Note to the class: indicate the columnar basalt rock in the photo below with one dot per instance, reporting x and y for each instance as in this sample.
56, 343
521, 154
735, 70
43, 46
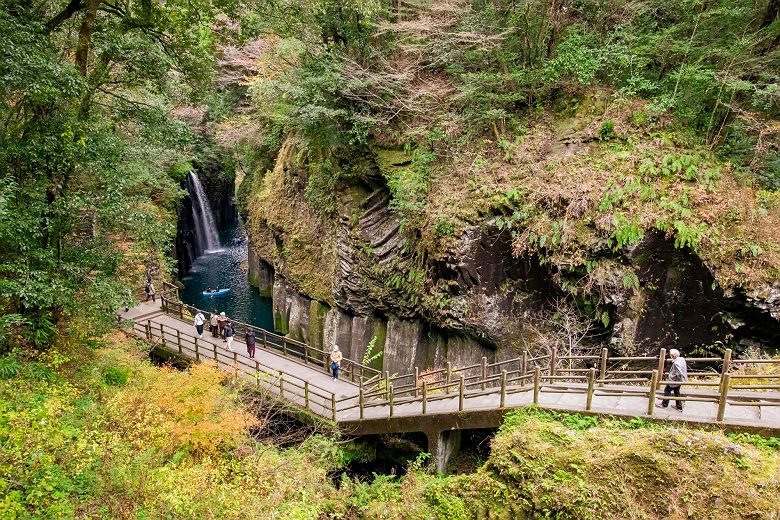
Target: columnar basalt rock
477, 299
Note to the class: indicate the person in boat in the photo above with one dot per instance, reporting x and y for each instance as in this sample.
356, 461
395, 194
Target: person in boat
200, 319
228, 329
214, 324
250, 343
335, 361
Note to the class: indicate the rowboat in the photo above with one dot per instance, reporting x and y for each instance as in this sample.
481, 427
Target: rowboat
216, 292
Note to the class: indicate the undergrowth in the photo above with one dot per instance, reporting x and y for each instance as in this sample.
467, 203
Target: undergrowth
101, 433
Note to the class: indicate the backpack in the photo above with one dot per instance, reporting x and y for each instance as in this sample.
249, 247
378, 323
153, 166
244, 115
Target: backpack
147, 287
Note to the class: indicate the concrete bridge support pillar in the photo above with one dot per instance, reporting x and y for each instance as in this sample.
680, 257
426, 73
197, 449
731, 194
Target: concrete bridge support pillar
443, 445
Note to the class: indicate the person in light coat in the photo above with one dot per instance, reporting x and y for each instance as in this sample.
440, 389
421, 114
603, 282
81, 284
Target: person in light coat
678, 372
200, 319
214, 324
335, 361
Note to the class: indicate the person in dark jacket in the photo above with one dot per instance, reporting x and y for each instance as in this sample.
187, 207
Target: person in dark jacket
149, 288
250, 343
228, 331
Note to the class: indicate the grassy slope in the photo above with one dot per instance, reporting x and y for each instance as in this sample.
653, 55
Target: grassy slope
101, 433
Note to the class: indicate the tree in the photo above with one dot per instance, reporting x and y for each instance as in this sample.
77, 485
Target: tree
85, 144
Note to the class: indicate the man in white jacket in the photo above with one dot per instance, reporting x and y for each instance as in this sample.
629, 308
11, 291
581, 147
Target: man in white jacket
200, 319
677, 372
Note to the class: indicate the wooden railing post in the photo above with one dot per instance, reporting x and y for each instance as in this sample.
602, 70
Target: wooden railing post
387, 384
537, 383
661, 363
416, 380
603, 366
724, 393
306, 354
235, 364
651, 393
523, 367
351, 371
502, 403
149, 330
391, 399
162, 335
725, 369
197, 353
424, 397
284, 346
462, 392
484, 371
216, 360
591, 379
447, 378
306, 394
333, 405
178, 339
553, 361
281, 383
257, 373
181, 311
361, 402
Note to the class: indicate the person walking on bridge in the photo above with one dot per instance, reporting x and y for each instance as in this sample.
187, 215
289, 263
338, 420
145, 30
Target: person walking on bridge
214, 324
200, 319
228, 330
335, 361
149, 288
677, 373
250, 343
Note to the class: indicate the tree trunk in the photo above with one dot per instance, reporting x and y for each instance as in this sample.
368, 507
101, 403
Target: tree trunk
772, 13
85, 36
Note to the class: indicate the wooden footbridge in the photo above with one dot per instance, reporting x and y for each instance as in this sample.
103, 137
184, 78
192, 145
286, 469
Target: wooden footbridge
736, 394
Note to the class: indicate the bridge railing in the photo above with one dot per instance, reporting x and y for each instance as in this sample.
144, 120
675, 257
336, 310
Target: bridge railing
301, 392
295, 350
168, 290
713, 380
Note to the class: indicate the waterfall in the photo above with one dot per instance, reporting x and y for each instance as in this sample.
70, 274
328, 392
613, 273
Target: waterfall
202, 216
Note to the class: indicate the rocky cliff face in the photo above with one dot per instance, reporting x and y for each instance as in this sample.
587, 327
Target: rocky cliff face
365, 277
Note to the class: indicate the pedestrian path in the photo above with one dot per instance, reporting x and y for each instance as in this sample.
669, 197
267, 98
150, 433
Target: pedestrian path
442, 398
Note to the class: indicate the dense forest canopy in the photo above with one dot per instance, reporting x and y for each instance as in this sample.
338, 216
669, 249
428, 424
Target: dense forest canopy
88, 146
91, 156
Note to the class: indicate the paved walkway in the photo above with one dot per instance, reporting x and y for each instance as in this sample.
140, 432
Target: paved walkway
322, 391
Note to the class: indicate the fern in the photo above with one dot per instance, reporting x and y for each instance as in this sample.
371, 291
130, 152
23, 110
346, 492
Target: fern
369, 356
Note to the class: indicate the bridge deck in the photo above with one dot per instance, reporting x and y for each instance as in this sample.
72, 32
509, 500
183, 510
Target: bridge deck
310, 386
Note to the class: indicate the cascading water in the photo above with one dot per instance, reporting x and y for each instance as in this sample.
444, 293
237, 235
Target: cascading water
203, 217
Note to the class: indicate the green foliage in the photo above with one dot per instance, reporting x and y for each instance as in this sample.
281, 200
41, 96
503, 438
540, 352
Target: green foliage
369, 357
626, 232
444, 228
607, 131
179, 171
409, 184
766, 443
89, 157
9, 366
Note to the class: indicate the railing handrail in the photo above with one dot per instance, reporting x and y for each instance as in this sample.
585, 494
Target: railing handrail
348, 365
312, 394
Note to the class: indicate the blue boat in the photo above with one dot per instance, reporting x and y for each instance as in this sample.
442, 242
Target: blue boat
216, 292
